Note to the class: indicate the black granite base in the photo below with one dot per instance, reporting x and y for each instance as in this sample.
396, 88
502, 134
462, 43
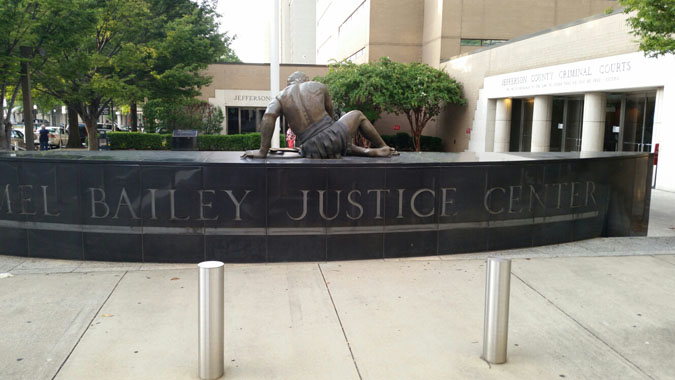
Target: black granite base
195, 206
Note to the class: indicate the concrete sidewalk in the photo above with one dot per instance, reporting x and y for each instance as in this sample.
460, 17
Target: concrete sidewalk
596, 309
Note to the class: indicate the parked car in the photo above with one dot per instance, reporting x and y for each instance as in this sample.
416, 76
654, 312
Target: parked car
104, 127
57, 137
18, 140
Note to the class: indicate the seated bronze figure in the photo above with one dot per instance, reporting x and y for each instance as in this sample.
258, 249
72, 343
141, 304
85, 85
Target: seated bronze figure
308, 109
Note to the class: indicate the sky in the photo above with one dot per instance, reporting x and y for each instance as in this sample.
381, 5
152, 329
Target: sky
249, 21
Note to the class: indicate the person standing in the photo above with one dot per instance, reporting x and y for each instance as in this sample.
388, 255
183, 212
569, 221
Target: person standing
44, 138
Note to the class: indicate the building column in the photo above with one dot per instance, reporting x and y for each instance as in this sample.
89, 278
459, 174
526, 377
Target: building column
503, 125
541, 124
593, 129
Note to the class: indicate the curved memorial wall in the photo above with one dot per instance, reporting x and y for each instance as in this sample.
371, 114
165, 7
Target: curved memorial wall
196, 206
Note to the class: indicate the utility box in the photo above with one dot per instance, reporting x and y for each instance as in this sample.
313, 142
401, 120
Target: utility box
103, 142
184, 139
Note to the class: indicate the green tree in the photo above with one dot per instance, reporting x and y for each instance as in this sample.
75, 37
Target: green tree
183, 113
130, 50
415, 90
185, 38
355, 87
653, 21
32, 23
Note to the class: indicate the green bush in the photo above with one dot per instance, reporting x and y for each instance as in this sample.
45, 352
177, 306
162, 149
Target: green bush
155, 141
403, 142
431, 144
138, 141
246, 141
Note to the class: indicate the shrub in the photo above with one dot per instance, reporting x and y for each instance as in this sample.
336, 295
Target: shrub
183, 113
155, 141
138, 141
246, 141
404, 143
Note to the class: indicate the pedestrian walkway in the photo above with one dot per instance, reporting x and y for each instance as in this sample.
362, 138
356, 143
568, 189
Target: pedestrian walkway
596, 309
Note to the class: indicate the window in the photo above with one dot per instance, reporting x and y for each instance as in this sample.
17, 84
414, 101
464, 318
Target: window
468, 42
244, 119
479, 42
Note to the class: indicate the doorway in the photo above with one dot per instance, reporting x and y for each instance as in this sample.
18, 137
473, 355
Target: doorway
566, 124
522, 111
629, 122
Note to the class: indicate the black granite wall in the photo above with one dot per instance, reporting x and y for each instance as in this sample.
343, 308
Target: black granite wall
190, 207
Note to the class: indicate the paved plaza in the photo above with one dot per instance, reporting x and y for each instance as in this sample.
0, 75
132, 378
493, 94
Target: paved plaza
596, 309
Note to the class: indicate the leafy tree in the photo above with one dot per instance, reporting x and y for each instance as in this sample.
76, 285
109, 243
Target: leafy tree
419, 91
415, 90
355, 87
185, 39
31, 23
132, 49
653, 21
229, 55
183, 113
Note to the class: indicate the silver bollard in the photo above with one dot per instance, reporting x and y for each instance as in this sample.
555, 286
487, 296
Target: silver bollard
211, 320
496, 327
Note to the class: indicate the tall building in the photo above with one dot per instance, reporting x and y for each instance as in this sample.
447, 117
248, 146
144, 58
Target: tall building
433, 31
298, 31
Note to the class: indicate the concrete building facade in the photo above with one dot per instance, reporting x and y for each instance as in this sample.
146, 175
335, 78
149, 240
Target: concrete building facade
432, 31
584, 87
298, 31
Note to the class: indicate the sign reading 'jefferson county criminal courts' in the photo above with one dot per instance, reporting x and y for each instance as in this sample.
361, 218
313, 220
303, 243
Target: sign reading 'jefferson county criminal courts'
623, 71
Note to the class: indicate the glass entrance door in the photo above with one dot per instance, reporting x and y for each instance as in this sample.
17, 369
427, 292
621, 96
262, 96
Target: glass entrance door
566, 123
613, 122
638, 123
521, 125
629, 121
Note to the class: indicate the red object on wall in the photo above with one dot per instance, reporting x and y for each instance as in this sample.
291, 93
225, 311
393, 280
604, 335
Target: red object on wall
656, 154
468, 131
397, 127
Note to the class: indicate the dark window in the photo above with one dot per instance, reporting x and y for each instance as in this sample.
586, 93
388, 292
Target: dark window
479, 42
244, 119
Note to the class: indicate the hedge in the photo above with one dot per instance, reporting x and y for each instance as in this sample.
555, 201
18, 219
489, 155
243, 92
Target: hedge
154, 141
138, 141
403, 142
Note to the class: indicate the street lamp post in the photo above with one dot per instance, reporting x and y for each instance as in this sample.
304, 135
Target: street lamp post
26, 52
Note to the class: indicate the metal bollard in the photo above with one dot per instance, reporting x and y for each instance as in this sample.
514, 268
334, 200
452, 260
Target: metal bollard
211, 320
496, 327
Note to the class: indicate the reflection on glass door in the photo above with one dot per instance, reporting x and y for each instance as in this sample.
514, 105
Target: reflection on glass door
232, 120
639, 122
557, 123
566, 124
244, 119
248, 120
521, 125
574, 118
613, 122
629, 121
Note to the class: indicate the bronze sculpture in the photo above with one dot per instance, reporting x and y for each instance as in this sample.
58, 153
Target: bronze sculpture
308, 109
